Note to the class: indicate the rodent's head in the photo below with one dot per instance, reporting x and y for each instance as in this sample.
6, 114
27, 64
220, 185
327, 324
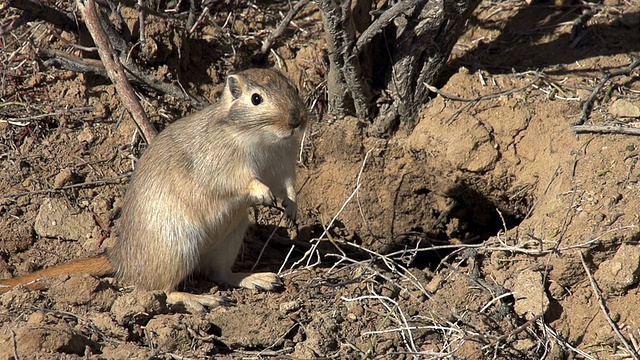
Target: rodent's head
264, 103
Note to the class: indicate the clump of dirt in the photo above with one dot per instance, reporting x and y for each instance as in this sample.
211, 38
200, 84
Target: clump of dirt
480, 232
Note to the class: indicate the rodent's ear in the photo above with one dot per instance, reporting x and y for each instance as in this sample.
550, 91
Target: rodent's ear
233, 83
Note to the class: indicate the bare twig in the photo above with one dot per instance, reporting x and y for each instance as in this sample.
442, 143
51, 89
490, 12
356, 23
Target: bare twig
284, 241
383, 21
44, 12
85, 321
278, 354
115, 70
193, 8
538, 76
605, 311
266, 243
141, 17
201, 18
67, 187
134, 74
606, 129
280, 29
26, 120
70, 62
14, 343
520, 328
268, 350
472, 101
580, 34
563, 342
325, 233
588, 104
15, 23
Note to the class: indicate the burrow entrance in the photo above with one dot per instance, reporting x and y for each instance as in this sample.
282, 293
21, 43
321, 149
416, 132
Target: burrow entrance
469, 212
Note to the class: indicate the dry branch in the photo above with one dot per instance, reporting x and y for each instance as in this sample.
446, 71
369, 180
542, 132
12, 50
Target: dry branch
606, 129
70, 62
588, 104
383, 21
141, 18
345, 82
422, 49
15, 23
201, 18
393, 55
100, 182
114, 69
135, 74
280, 29
46, 13
538, 76
605, 310
193, 8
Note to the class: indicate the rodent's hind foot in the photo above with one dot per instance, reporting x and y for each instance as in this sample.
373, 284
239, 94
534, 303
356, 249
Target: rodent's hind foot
196, 303
264, 281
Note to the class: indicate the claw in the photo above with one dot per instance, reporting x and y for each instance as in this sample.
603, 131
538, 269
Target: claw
291, 211
261, 194
225, 301
195, 303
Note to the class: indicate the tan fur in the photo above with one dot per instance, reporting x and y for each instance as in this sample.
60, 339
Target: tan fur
186, 207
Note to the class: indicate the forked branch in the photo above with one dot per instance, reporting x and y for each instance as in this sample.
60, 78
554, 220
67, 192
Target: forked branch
114, 69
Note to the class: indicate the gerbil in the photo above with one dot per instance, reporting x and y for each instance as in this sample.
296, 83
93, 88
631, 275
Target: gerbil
185, 210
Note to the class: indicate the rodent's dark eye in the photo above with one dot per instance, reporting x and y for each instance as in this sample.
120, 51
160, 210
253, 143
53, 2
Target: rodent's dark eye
256, 99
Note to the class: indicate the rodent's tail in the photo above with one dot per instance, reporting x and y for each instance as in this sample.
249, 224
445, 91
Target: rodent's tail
96, 266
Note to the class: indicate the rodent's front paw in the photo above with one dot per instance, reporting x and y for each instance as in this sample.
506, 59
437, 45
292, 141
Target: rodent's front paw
291, 212
261, 194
